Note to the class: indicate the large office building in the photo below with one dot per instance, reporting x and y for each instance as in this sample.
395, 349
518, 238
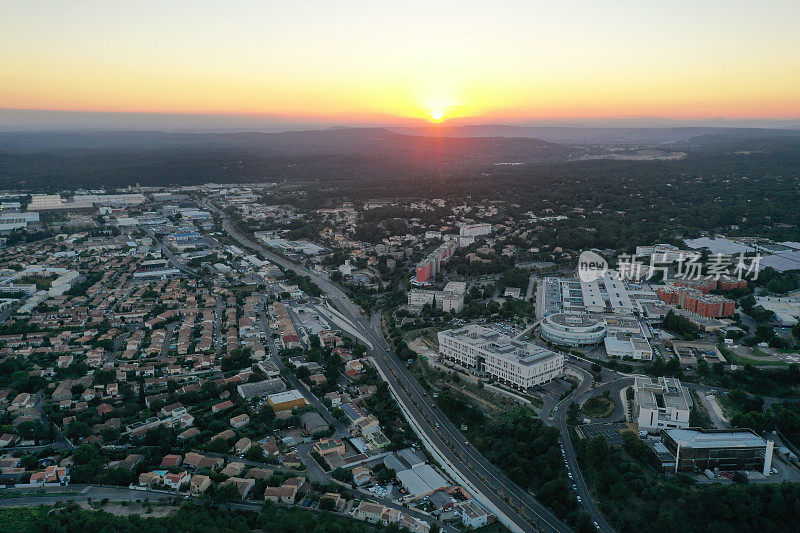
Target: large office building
520, 364
451, 298
573, 329
661, 403
469, 233
696, 449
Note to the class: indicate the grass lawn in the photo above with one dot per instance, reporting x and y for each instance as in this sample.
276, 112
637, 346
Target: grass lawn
598, 407
736, 359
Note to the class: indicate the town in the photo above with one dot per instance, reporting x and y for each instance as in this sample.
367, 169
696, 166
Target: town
225, 343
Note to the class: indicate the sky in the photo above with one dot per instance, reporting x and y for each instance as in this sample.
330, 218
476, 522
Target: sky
385, 61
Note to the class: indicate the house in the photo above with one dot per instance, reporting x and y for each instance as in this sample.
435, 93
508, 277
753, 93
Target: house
171, 460
234, 468
269, 446
471, 514
51, 474
284, 494
199, 484
8, 439
371, 512
197, 461
189, 433
242, 445
336, 500
216, 408
240, 421
243, 486
326, 446
362, 475
148, 479
176, 481
259, 473
227, 434
299, 482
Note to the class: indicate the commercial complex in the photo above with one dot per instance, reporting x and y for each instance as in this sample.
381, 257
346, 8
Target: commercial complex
579, 329
660, 404
518, 363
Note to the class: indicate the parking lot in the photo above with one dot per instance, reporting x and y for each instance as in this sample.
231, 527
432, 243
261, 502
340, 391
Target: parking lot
612, 432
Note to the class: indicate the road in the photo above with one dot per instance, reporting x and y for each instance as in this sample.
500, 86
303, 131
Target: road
517, 505
583, 392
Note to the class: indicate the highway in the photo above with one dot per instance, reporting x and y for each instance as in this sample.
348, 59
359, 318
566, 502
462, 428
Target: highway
521, 510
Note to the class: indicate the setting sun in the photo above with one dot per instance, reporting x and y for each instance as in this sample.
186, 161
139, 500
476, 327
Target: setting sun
437, 115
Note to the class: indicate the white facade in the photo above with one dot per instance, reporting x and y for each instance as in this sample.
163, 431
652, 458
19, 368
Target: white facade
606, 294
474, 230
444, 300
518, 363
573, 329
627, 345
661, 404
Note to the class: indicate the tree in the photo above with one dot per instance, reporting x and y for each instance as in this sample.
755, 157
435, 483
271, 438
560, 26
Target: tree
226, 493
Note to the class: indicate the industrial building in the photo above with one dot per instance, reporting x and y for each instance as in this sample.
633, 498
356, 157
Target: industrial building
696, 449
573, 329
661, 403
286, 401
518, 363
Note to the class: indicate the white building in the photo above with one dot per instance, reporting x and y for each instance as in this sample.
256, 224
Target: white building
450, 299
471, 514
518, 363
573, 329
10, 221
469, 233
474, 230
661, 404
626, 345
110, 199
606, 294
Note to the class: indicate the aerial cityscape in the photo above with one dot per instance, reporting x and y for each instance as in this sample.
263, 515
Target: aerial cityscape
436, 267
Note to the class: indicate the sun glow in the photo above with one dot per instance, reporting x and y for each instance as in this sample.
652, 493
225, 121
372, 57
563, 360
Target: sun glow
437, 115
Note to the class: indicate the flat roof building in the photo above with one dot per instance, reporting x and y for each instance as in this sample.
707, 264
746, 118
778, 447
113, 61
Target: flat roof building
726, 450
573, 329
661, 404
521, 364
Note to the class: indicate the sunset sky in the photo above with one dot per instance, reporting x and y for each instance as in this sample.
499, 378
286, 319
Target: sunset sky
384, 60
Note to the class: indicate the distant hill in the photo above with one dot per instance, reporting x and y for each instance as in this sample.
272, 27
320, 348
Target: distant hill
378, 142
593, 135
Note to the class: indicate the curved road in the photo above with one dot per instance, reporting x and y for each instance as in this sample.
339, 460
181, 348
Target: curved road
582, 393
518, 506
